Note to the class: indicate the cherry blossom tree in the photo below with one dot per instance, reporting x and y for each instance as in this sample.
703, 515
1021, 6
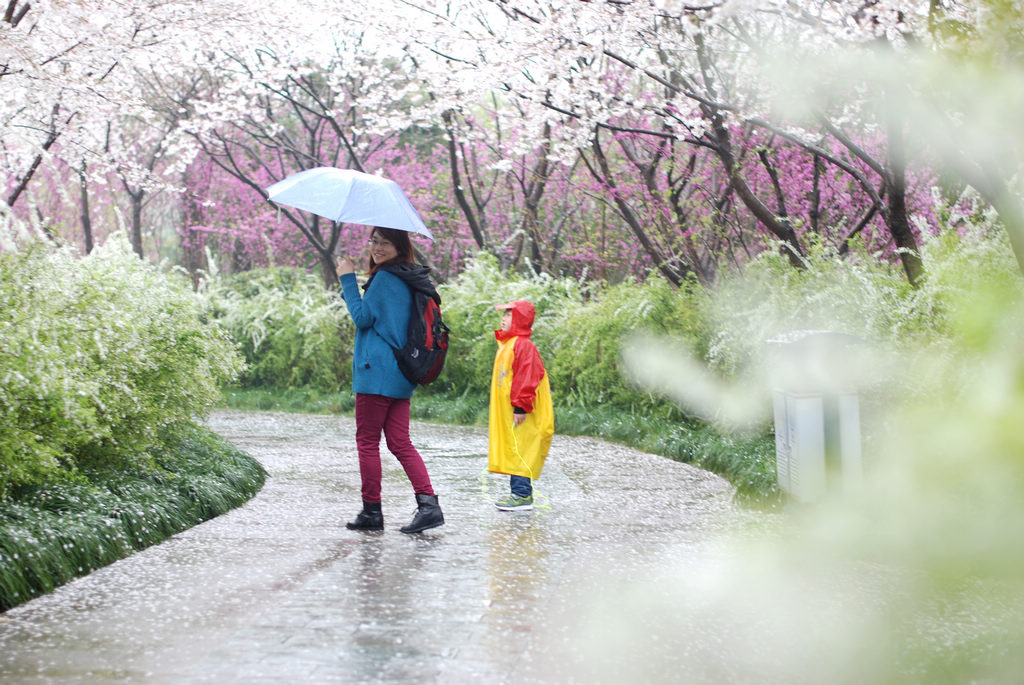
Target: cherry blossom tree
284, 116
73, 73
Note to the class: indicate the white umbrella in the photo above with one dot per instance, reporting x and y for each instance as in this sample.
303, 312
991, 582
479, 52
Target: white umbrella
349, 195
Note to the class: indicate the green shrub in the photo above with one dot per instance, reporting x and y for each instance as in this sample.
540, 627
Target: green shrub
468, 303
587, 344
303, 400
291, 330
746, 460
97, 354
857, 295
465, 409
579, 331
296, 334
973, 279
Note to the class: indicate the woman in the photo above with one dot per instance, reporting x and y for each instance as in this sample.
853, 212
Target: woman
382, 392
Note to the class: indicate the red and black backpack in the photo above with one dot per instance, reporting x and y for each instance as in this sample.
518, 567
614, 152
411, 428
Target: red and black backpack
426, 346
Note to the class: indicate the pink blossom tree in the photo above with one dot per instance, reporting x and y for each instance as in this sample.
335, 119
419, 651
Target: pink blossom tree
75, 77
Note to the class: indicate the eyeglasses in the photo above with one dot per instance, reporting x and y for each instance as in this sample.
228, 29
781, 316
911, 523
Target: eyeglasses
380, 243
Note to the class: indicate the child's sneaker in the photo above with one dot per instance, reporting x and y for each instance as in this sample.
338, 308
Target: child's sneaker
514, 503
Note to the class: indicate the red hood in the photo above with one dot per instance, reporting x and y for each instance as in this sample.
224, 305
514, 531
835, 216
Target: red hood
522, 320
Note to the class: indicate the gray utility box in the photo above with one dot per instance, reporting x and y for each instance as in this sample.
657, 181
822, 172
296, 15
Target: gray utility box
817, 412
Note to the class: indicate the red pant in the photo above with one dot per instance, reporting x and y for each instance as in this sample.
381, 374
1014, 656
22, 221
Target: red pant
376, 413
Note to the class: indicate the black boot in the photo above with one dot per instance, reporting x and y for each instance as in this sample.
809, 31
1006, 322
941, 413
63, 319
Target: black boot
370, 518
428, 515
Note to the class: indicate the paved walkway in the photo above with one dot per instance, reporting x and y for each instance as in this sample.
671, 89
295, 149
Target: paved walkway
279, 591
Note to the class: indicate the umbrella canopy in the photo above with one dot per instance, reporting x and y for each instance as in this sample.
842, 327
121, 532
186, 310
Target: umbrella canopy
349, 195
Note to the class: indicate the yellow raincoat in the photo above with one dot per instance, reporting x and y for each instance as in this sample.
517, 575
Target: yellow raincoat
519, 450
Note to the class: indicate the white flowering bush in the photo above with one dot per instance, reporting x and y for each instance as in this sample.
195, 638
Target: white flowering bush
856, 295
291, 331
97, 354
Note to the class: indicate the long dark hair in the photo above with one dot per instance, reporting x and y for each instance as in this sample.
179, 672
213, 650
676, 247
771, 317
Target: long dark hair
400, 239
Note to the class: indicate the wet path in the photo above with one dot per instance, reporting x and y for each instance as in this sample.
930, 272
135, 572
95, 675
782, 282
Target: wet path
279, 591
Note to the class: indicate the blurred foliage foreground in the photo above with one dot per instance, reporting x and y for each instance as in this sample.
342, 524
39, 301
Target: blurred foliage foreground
915, 574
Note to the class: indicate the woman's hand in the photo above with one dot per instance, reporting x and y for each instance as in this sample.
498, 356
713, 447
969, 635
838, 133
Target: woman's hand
343, 265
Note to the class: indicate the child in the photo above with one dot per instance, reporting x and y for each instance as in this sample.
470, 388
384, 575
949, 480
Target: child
521, 420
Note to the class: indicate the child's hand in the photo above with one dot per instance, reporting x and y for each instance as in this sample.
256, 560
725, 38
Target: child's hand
518, 419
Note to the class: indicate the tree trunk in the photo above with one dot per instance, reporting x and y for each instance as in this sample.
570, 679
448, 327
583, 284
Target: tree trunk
328, 270
994, 187
721, 144
136, 226
778, 226
896, 203
814, 213
13, 15
1011, 213
476, 226
604, 175
23, 182
83, 187
534, 191
51, 138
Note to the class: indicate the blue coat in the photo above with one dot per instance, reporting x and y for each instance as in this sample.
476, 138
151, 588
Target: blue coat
381, 318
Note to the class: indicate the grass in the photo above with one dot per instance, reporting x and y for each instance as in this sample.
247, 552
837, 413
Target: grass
53, 533
746, 461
